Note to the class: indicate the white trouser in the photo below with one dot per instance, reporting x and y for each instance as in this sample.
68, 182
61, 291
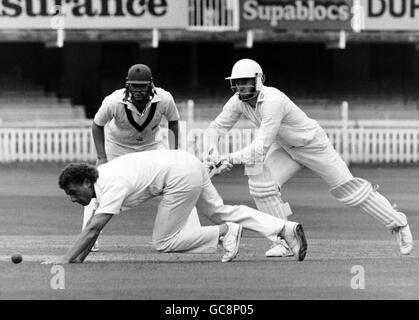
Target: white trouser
171, 231
320, 157
283, 162
211, 205
265, 182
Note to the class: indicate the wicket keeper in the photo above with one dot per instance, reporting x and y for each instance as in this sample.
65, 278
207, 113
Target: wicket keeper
129, 121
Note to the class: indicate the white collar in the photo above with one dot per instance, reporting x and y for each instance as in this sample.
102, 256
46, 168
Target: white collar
132, 107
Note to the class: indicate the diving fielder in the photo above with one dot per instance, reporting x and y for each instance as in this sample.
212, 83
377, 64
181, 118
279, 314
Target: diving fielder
288, 140
129, 121
183, 182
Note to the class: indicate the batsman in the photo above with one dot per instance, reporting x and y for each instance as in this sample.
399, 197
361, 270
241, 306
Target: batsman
288, 140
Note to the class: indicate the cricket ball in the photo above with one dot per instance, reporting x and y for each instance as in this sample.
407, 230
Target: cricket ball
17, 258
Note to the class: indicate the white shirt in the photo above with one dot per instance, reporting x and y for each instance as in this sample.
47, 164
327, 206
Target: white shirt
276, 116
120, 131
131, 179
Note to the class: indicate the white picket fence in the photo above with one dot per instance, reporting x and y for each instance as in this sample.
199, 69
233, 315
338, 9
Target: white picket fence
357, 142
390, 145
46, 144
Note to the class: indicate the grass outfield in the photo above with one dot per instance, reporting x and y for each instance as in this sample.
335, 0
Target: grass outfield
38, 221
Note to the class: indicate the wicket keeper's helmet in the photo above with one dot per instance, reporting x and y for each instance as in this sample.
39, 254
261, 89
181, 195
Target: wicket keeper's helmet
247, 69
139, 82
139, 74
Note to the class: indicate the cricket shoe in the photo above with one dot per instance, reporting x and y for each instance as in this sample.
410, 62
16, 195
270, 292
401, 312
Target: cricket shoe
95, 247
294, 236
404, 238
279, 250
231, 241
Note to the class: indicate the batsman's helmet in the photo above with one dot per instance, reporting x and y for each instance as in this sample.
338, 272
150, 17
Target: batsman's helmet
139, 83
247, 69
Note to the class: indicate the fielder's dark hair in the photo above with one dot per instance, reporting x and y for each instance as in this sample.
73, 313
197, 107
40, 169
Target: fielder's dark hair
76, 173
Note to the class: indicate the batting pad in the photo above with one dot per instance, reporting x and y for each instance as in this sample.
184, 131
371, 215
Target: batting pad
268, 199
359, 193
353, 192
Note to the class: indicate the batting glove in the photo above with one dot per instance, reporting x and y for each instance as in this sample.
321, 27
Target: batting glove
220, 165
